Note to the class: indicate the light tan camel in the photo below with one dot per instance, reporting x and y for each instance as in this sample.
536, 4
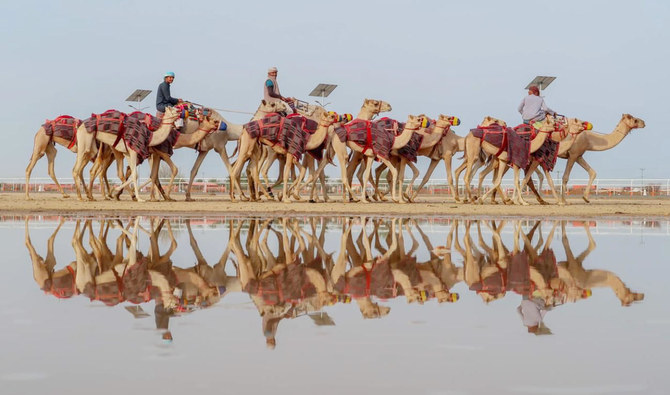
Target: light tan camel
428, 145
473, 146
206, 127
86, 149
588, 279
413, 123
369, 109
566, 131
593, 141
248, 144
44, 144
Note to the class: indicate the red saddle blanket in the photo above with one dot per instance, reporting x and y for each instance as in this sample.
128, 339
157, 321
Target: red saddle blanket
378, 281
153, 124
64, 127
494, 134
110, 121
409, 151
547, 154
309, 126
289, 285
133, 131
280, 130
367, 135
518, 145
390, 125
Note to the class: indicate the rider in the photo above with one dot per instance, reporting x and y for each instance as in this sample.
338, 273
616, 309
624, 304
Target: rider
533, 108
271, 89
163, 97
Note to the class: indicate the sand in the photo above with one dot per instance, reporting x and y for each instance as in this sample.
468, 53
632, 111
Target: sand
53, 203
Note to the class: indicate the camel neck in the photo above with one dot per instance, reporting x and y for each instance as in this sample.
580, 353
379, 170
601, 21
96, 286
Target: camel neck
602, 142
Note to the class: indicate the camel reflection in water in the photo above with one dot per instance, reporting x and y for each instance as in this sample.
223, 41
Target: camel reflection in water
284, 266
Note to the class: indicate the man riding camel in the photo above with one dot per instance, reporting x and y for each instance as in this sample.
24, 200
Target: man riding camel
533, 108
163, 97
271, 90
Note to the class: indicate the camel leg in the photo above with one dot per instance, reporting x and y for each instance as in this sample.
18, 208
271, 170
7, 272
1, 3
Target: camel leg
529, 181
592, 176
431, 168
394, 179
366, 178
226, 161
341, 153
517, 188
194, 172
496, 183
457, 174
83, 153
409, 192
566, 177
287, 174
267, 159
40, 146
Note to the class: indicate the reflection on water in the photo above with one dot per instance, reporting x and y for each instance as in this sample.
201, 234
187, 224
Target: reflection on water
291, 268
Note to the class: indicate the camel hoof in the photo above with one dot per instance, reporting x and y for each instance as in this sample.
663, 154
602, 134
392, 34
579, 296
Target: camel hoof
364, 201
400, 201
586, 199
189, 199
312, 201
66, 196
544, 203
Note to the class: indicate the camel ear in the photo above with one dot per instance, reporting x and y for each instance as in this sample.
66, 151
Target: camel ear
263, 101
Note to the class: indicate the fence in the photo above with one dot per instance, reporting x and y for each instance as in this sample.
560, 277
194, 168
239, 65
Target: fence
624, 187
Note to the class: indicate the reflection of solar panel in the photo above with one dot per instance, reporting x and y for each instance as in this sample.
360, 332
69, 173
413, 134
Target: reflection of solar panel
541, 82
137, 311
322, 319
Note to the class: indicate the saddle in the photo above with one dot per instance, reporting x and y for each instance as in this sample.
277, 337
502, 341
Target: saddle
64, 127
280, 130
367, 135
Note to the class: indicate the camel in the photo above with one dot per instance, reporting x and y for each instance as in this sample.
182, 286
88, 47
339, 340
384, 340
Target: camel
587, 279
46, 144
339, 145
567, 132
86, 149
247, 145
429, 144
205, 128
473, 146
593, 141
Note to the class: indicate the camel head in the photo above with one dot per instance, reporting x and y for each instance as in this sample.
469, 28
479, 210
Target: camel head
488, 121
328, 118
632, 122
274, 106
208, 124
376, 106
171, 114
548, 125
339, 118
574, 126
453, 121
414, 122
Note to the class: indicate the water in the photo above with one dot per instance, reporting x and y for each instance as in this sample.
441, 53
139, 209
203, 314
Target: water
327, 327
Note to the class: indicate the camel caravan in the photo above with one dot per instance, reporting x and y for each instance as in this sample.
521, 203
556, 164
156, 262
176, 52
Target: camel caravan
283, 265
306, 138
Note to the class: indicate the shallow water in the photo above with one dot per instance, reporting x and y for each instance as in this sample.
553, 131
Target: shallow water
338, 317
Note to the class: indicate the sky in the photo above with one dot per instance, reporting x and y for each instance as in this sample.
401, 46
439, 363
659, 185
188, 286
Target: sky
469, 59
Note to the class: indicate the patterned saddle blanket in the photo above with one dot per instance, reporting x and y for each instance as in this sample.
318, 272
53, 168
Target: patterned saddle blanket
64, 127
153, 124
367, 135
110, 121
280, 130
390, 125
518, 145
409, 151
494, 134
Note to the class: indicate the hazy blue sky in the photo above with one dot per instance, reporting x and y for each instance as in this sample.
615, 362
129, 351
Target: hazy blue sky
468, 59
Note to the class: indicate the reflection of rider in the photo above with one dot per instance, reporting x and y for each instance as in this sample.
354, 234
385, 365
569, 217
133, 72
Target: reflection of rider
532, 313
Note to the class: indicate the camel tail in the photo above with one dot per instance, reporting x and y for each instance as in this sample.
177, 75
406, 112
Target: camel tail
236, 150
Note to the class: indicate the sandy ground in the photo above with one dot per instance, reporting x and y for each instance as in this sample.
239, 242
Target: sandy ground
15, 203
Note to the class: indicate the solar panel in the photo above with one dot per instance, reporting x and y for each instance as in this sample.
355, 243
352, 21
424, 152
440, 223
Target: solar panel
323, 90
138, 95
541, 82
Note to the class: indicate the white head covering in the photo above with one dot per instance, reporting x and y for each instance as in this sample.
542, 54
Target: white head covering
272, 70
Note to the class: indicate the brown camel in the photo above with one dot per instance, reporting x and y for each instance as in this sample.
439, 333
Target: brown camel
593, 141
